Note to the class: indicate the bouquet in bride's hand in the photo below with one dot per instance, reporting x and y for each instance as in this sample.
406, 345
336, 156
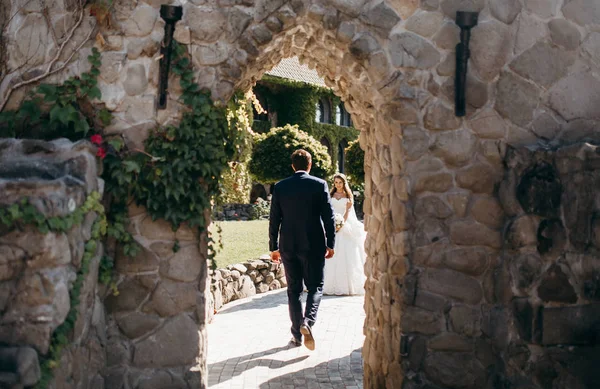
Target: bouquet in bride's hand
339, 221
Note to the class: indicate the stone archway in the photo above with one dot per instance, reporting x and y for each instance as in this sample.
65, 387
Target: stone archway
355, 59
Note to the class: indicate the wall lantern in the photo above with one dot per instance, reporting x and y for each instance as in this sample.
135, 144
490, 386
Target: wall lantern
171, 14
466, 21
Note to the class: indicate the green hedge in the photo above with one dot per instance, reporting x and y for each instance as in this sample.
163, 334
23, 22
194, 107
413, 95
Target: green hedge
295, 104
272, 151
355, 162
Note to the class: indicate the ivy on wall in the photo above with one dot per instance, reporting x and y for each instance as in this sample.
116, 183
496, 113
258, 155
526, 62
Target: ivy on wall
236, 183
178, 175
22, 214
60, 111
176, 178
295, 103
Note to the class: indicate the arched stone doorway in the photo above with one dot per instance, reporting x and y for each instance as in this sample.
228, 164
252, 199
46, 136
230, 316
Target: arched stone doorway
353, 57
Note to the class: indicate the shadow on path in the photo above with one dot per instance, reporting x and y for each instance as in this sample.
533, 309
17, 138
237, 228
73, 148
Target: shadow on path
343, 373
272, 299
249, 361
260, 301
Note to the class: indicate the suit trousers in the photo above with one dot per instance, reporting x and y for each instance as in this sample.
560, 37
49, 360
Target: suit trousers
307, 267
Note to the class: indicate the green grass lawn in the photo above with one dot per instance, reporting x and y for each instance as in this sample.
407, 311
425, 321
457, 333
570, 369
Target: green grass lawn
242, 240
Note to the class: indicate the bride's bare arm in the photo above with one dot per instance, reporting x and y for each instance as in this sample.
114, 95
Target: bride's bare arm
348, 206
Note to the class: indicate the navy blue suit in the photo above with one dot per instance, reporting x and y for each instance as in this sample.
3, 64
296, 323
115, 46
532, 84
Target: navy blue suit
301, 227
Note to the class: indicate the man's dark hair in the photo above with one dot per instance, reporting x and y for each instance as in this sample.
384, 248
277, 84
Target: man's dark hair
301, 159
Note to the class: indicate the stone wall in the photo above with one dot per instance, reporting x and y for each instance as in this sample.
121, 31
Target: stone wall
549, 280
243, 280
38, 270
156, 324
432, 212
235, 212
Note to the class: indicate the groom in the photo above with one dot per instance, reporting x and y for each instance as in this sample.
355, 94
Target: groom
300, 220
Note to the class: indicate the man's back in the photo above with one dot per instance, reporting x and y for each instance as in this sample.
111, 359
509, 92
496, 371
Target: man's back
300, 202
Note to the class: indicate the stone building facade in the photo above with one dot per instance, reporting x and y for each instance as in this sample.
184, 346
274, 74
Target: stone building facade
457, 287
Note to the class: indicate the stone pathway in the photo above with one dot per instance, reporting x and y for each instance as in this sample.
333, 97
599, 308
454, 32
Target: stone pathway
248, 345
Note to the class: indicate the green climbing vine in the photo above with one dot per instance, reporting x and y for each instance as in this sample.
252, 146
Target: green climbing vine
176, 177
69, 110
60, 111
22, 214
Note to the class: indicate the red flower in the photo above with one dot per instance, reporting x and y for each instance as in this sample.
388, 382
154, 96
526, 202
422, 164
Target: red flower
101, 152
96, 139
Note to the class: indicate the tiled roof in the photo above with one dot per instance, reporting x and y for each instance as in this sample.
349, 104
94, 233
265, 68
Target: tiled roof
292, 69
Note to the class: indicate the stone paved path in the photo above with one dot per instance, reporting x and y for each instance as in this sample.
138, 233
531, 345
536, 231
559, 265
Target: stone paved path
248, 345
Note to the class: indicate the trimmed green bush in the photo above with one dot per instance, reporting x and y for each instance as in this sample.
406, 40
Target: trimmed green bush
355, 162
272, 151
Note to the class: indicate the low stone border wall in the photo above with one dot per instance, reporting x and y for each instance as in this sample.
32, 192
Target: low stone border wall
242, 212
243, 280
234, 212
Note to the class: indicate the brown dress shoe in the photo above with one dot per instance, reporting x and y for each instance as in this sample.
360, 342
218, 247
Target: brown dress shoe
309, 341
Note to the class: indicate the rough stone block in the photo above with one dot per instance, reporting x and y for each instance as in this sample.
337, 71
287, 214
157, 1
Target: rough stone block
421, 321
380, 15
472, 261
505, 10
466, 320
184, 266
576, 96
555, 286
471, 233
454, 370
544, 64
524, 315
131, 294
176, 343
144, 261
170, 297
490, 48
440, 117
516, 98
424, 23
429, 301
571, 325
531, 30
582, 12
410, 50
136, 324
23, 363
455, 148
449, 341
480, 178
451, 284
564, 34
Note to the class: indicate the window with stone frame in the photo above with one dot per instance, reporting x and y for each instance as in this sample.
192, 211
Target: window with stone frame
325, 142
342, 117
323, 111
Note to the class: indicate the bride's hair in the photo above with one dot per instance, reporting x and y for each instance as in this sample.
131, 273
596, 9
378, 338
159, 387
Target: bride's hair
347, 190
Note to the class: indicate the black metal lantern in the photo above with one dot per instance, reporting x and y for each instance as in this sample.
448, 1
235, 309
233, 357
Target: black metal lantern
466, 21
171, 14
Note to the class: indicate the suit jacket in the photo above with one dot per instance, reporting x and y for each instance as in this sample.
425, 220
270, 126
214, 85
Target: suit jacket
301, 215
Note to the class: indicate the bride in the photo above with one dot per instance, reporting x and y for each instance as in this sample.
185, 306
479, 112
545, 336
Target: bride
344, 272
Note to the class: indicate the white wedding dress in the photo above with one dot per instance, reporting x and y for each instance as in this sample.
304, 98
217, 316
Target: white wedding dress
344, 272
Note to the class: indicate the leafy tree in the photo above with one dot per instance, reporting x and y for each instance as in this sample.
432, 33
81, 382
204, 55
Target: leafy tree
272, 151
355, 162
